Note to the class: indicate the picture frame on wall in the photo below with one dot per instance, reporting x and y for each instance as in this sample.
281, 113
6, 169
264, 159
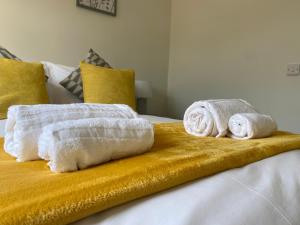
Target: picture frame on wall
108, 7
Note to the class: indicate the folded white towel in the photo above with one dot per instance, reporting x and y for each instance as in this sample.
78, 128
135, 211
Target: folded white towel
24, 123
210, 118
251, 125
78, 144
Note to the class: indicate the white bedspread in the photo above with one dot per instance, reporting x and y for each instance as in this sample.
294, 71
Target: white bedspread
263, 193
2, 127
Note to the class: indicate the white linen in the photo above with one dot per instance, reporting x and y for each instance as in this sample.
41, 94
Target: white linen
24, 123
77, 144
262, 193
251, 125
210, 118
157, 119
57, 93
2, 128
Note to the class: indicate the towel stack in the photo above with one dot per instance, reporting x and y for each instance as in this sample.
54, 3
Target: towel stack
75, 136
235, 118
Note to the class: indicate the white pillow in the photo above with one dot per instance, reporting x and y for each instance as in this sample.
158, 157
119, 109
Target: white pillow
57, 93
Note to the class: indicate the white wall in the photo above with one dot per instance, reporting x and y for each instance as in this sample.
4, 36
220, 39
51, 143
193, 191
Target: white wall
58, 31
236, 49
218, 49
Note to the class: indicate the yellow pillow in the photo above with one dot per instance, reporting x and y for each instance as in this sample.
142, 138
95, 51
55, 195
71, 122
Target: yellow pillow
108, 86
21, 83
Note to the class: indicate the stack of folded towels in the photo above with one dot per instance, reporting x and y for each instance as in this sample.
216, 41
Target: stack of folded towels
75, 136
235, 118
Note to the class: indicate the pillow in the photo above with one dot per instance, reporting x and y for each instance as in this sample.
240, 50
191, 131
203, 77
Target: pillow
4, 53
73, 82
108, 86
21, 83
58, 94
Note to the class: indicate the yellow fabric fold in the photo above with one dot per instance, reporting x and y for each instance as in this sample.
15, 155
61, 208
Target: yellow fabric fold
31, 194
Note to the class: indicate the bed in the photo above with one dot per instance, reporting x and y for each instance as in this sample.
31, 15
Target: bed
266, 192
263, 193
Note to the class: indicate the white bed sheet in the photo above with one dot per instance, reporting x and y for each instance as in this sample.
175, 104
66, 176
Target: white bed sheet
2, 127
263, 193
157, 119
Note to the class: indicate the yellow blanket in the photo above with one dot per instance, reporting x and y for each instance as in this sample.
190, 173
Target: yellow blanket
31, 194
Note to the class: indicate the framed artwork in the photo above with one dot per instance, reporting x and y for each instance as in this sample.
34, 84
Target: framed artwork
104, 6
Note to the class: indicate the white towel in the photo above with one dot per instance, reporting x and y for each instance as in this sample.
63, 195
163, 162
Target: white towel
24, 123
210, 118
78, 144
251, 125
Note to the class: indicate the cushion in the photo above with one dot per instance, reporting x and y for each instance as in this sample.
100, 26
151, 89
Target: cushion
108, 86
73, 82
21, 83
4, 53
58, 94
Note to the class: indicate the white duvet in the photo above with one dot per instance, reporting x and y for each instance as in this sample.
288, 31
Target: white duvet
262, 193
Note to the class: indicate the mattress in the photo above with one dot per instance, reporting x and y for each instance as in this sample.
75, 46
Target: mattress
262, 193
2, 127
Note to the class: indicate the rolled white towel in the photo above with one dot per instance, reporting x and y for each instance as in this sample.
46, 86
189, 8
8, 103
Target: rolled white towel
78, 144
210, 118
24, 123
251, 125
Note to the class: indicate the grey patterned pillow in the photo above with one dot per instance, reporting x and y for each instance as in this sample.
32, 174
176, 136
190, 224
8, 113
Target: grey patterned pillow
73, 82
4, 53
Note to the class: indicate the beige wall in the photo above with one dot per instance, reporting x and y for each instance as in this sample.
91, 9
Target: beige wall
57, 31
236, 49
218, 49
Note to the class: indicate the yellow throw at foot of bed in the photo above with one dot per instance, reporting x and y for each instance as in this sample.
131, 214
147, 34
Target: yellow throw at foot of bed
31, 194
